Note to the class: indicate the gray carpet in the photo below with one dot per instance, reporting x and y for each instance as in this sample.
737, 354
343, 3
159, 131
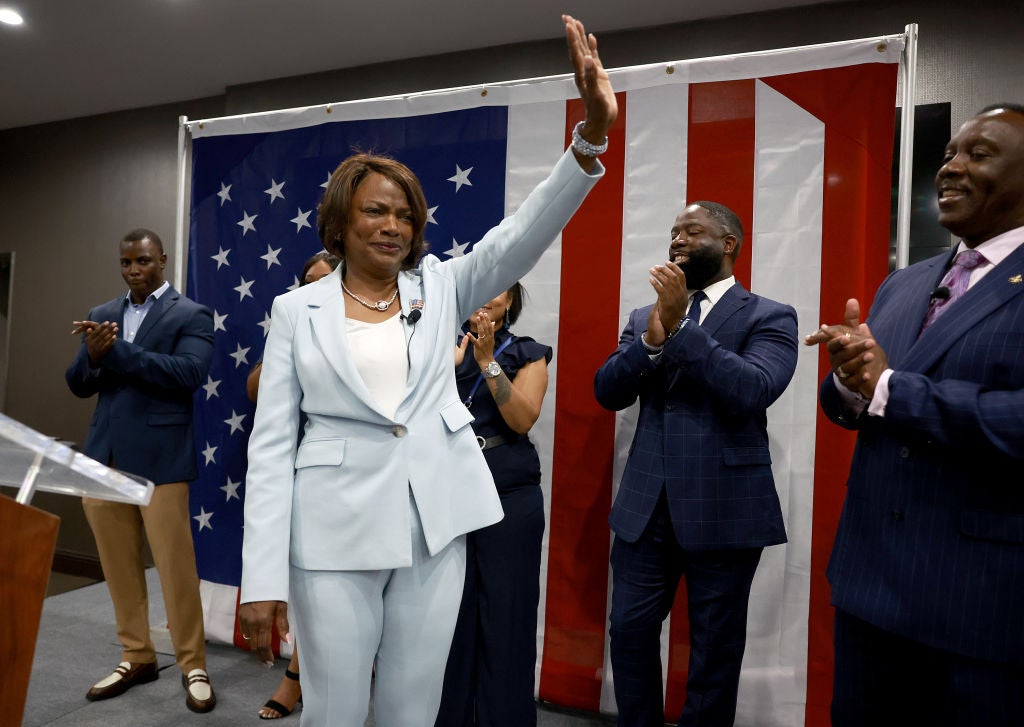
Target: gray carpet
77, 647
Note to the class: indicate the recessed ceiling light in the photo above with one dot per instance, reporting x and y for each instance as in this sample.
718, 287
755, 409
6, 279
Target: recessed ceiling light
10, 17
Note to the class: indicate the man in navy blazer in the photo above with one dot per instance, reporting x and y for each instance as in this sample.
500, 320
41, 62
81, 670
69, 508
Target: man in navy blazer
927, 570
144, 354
697, 498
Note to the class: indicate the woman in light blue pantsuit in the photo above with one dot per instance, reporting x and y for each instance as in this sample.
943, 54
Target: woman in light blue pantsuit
361, 527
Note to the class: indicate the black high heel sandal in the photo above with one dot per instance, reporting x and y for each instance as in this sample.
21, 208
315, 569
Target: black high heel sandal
273, 704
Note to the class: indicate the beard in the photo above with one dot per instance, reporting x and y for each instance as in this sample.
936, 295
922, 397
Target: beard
701, 267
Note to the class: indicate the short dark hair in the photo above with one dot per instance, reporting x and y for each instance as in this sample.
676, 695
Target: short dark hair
517, 294
141, 233
726, 217
323, 256
333, 213
1013, 107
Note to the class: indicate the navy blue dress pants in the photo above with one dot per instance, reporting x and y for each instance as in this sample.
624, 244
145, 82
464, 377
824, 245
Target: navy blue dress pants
645, 576
490, 677
885, 680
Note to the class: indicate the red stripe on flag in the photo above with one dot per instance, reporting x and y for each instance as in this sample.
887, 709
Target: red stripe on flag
856, 105
720, 168
581, 476
720, 154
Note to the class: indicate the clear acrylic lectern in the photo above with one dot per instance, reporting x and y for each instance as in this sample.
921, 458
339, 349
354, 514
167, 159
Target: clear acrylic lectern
32, 461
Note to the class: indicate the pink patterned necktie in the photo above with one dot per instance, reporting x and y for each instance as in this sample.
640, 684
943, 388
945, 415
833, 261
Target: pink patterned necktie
955, 280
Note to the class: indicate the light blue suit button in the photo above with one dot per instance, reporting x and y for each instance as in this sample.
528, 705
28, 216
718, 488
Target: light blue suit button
399, 430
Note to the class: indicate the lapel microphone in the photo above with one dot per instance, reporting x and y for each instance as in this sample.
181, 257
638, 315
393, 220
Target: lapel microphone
414, 315
940, 293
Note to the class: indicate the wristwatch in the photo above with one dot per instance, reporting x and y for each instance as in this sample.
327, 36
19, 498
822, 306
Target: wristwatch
492, 370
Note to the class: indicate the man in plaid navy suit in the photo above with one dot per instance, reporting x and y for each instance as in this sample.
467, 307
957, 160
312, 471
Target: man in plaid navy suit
927, 570
697, 498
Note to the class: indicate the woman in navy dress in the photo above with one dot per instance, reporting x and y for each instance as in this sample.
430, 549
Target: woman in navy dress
502, 378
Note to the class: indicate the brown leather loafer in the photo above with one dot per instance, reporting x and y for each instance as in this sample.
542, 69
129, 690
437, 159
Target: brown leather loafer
199, 696
124, 677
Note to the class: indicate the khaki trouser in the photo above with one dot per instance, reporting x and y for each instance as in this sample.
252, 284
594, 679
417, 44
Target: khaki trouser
118, 529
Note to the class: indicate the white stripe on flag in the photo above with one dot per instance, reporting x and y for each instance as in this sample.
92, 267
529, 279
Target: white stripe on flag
786, 266
654, 192
219, 611
536, 140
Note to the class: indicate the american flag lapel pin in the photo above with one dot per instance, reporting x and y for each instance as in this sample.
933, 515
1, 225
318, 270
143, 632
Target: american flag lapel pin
417, 304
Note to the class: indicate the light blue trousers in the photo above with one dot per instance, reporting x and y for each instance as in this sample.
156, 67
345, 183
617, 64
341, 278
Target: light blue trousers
403, 619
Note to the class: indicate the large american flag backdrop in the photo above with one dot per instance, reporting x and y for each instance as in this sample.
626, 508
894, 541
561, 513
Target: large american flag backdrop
798, 142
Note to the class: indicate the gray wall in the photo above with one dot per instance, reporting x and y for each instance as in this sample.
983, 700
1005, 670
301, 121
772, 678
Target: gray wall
68, 190
968, 70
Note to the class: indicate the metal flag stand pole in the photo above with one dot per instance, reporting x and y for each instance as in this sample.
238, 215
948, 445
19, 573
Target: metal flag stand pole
908, 63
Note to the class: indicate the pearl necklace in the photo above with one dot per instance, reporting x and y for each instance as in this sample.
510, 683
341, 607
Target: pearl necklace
381, 305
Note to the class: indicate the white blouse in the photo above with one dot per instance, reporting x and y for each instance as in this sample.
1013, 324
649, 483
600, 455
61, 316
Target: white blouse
380, 353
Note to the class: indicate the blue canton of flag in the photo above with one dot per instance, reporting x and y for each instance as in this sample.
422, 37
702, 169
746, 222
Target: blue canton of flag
253, 225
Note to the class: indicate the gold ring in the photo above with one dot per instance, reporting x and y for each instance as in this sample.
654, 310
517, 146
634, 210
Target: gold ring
841, 374
245, 637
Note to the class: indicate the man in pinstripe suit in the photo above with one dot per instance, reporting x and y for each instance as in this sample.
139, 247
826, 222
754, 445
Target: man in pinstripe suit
697, 498
927, 570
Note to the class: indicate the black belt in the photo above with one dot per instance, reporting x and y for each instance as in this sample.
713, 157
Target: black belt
496, 441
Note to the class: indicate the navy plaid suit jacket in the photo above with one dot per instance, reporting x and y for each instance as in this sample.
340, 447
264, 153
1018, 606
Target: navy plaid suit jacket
702, 431
930, 545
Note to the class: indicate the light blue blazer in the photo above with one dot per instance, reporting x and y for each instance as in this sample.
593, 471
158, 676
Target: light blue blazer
339, 501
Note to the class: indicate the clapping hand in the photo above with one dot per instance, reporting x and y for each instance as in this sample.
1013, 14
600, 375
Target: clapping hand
483, 340
669, 282
99, 338
854, 355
